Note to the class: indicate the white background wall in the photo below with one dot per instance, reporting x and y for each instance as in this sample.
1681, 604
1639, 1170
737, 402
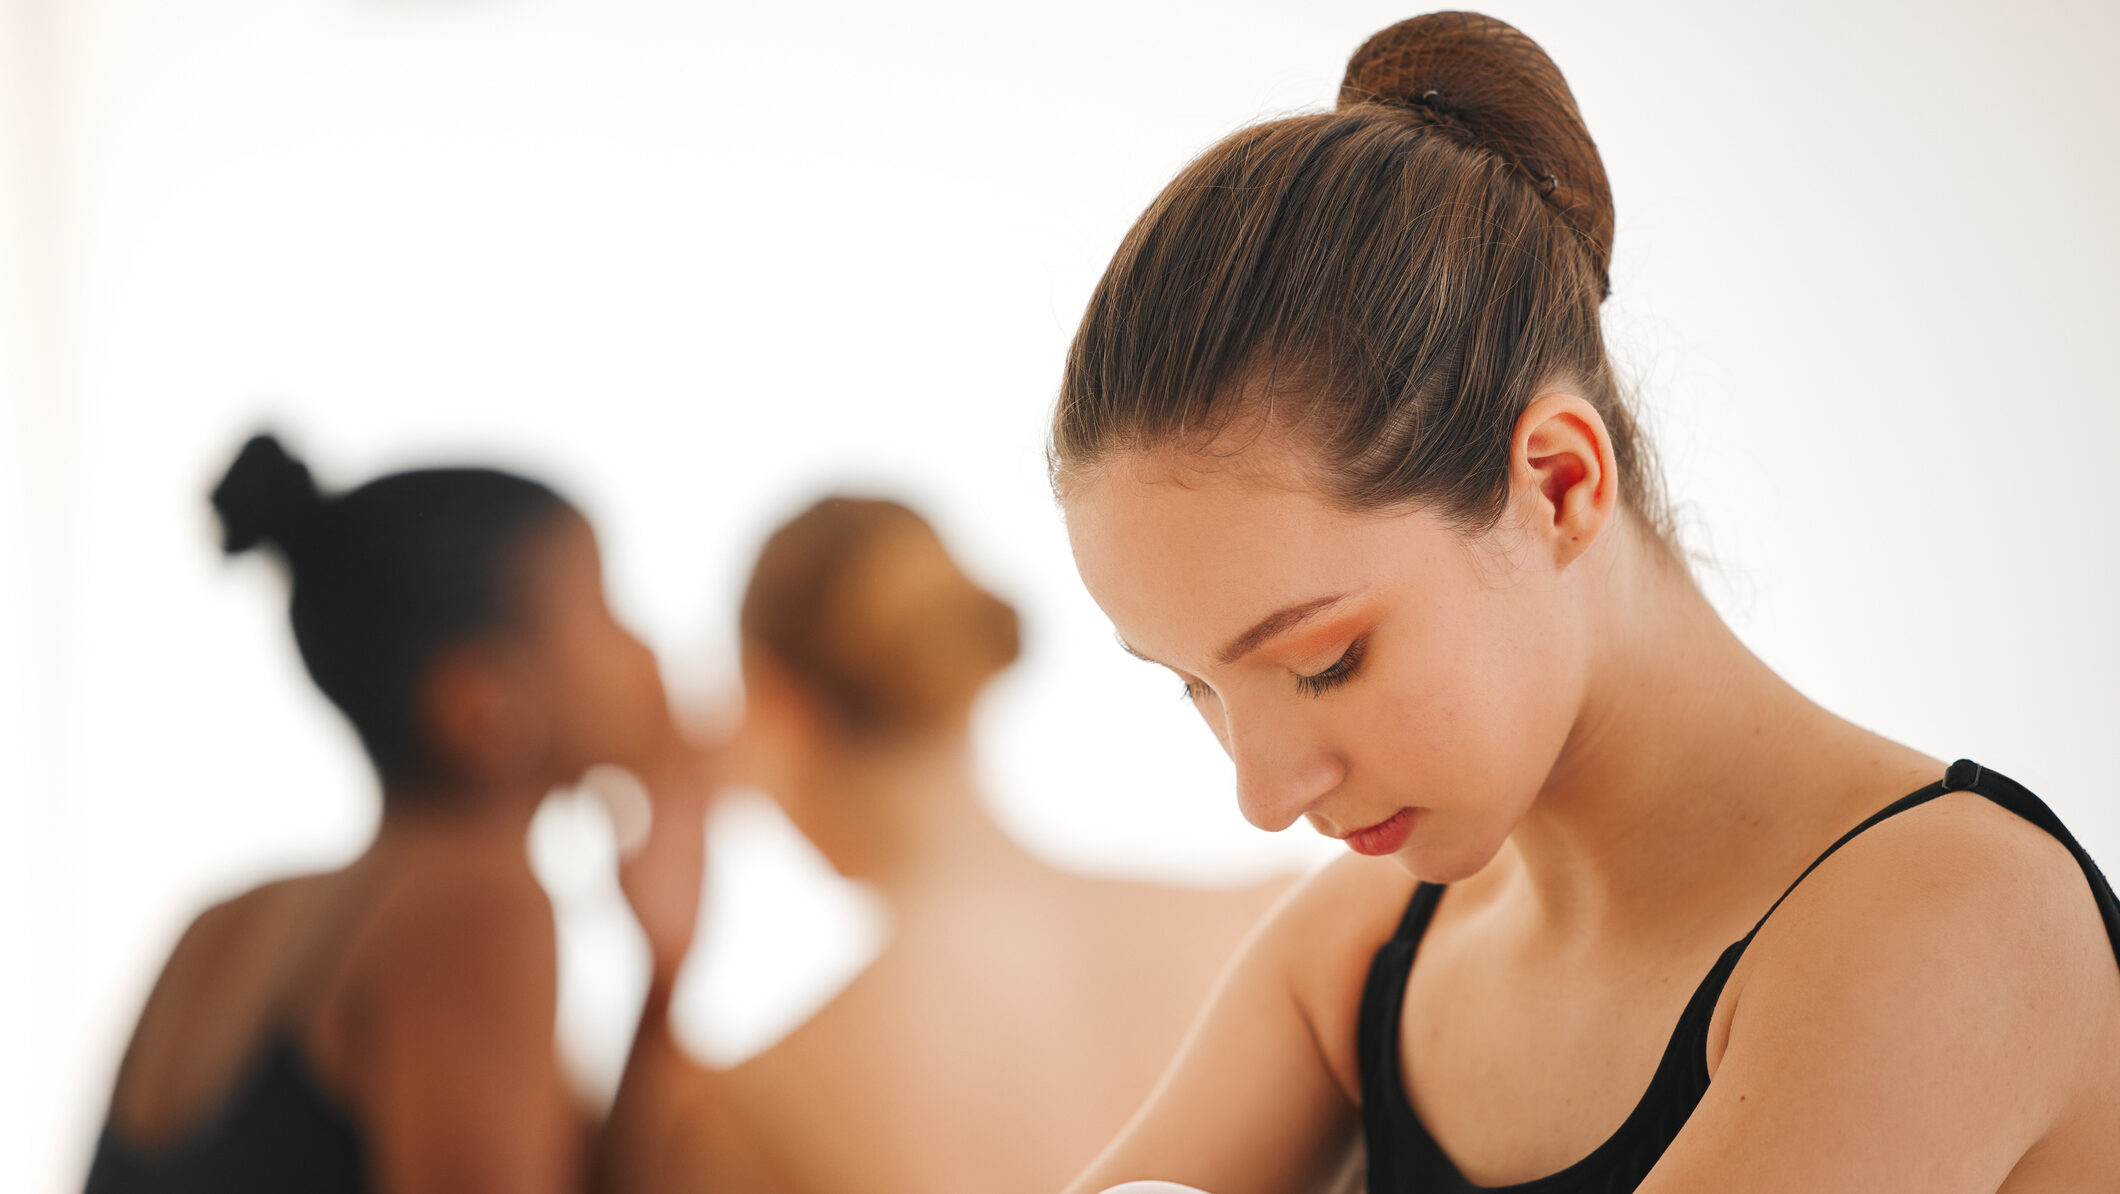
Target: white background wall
694, 261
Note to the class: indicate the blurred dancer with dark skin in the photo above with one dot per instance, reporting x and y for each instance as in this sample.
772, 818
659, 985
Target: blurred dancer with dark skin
1019, 1013
389, 1026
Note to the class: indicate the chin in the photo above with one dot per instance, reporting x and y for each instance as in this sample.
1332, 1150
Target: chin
1432, 861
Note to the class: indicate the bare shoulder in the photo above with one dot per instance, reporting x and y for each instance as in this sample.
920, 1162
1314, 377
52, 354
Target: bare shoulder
1934, 1002
224, 924
448, 987
1353, 902
1963, 873
702, 1130
472, 948
846, 1032
1956, 939
201, 1016
1322, 936
222, 943
1270, 1074
472, 923
1296, 912
1190, 924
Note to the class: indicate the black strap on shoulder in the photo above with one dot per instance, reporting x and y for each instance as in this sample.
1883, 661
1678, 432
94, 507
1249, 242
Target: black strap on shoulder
1910, 800
2018, 799
1420, 909
1966, 775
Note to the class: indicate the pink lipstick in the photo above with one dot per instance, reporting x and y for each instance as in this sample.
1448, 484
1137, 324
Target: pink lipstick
1384, 837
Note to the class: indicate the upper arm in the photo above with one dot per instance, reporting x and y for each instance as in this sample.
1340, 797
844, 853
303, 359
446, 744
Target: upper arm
170, 1019
458, 1081
1911, 1019
1259, 1099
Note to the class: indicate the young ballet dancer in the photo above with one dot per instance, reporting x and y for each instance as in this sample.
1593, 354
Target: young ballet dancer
1339, 445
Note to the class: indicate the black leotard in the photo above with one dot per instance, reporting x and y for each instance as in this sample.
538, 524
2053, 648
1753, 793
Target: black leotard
279, 1131
1404, 1158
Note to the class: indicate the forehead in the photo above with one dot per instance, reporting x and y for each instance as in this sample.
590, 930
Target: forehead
559, 559
1182, 557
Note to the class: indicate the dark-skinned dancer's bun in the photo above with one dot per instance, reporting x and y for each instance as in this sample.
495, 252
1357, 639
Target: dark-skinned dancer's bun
385, 577
267, 497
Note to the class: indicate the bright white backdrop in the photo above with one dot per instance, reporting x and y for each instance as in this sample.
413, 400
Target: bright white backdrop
693, 262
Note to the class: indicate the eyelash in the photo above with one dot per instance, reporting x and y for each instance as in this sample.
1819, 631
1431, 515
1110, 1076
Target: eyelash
1337, 674
1314, 685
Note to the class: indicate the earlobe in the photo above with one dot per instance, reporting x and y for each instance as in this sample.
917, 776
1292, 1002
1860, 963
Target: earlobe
772, 697
1563, 462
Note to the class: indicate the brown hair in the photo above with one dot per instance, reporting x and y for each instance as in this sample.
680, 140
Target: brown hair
1394, 280
861, 603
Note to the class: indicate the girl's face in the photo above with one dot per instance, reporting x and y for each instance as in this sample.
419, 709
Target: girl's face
1372, 673
599, 683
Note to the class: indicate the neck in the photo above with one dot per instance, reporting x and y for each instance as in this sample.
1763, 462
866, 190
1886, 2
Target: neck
420, 815
910, 819
1693, 772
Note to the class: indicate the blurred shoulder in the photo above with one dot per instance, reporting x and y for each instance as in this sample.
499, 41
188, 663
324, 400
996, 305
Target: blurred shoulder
231, 930
456, 936
200, 1016
474, 885
1226, 913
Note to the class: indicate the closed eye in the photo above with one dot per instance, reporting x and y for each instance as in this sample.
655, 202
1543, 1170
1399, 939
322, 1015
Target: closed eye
1319, 683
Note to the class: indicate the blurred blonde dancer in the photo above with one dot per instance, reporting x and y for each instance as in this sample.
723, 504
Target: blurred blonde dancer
1018, 1014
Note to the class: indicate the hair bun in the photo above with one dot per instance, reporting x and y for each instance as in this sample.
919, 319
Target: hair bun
860, 600
1484, 77
267, 496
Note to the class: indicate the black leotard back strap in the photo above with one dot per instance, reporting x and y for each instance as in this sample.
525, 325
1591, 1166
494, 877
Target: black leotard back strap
278, 1131
1405, 1159
279, 1128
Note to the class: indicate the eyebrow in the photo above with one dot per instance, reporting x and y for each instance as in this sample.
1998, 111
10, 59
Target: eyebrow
1278, 622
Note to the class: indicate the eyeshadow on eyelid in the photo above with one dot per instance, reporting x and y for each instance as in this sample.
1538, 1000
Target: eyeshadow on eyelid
1328, 635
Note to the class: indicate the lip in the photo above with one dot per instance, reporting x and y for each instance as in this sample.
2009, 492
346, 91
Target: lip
1384, 837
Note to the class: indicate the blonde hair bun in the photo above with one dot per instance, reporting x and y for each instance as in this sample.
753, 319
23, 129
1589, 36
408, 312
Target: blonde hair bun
863, 605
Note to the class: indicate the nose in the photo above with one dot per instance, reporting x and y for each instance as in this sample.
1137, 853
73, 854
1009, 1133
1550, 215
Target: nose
1283, 767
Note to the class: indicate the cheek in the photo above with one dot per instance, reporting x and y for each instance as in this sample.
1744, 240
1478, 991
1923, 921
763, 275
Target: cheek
1523, 693
1468, 721
637, 689
612, 691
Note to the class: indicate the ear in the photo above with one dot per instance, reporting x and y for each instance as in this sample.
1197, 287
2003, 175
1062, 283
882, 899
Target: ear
479, 721
778, 723
784, 747
1563, 474
772, 696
